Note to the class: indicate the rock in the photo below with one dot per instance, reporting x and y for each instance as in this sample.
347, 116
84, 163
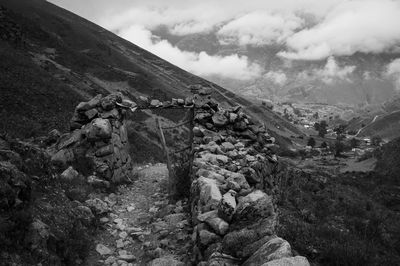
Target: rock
233, 185
113, 114
218, 259
240, 126
144, 99
165, 261
250, 158
251, 176
215, 158
63, 157
120, 243
104, 151
233, 117
84, 106
274, 249
234, 242
210, 195
155, 103
227, 146
127, 257
207, 238
292, 261
227, 206
103, 250
210, 174
52, 137
198, 132
207, 215
70, 139
255, 205
128, 103
85, 214
110, 260
38, 235
90, 114
108, 103
97, 183
104, 220
219, 119
232, 154
123, 235
97, 205
69, 174
239, 179
218, 225
99, 129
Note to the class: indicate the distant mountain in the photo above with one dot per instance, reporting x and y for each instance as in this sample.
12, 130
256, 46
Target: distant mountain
50, 59
355, 80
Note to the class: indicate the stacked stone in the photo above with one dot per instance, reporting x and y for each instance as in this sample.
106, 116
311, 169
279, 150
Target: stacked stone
234, 217
98, 135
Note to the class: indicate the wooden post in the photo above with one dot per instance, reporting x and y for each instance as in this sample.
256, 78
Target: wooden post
191, 142
171, 183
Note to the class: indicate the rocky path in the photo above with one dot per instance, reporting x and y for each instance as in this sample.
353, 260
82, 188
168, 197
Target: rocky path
140, 226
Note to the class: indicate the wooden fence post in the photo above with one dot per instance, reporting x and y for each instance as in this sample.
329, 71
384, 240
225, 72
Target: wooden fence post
171, 177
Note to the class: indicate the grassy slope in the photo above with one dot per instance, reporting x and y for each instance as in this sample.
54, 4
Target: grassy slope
85, 49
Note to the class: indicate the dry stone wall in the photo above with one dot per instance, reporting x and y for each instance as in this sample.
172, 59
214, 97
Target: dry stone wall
98, 140
232, 192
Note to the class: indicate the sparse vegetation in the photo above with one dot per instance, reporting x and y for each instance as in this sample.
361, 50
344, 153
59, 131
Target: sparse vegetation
339, 220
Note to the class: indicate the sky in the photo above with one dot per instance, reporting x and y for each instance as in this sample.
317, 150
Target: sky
305, 29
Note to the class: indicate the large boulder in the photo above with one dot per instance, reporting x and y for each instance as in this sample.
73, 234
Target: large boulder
234, 242
253, 206
274, 249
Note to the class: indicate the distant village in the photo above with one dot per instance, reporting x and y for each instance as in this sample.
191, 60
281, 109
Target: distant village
308, 117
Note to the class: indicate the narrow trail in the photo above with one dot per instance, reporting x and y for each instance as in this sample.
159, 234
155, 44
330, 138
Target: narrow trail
141, 227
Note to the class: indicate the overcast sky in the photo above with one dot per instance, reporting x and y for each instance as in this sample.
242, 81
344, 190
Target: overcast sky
307, 29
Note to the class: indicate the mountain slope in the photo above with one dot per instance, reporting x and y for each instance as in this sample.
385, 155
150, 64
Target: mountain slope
51, 59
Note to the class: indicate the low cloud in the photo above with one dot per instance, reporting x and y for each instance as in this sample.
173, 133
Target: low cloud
203, 64
259, 28
368, 26
393, 71
277, 77
329, 73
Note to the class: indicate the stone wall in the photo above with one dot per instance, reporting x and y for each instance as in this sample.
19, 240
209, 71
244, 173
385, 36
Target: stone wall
232, 193
98, 141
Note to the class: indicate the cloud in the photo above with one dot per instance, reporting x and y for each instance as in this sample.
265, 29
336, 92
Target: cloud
277, 77
259, 28
329, 73
368, 26
203, 64
191, 16
393, 71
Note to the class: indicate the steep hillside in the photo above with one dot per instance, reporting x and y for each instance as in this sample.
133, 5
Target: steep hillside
50, 59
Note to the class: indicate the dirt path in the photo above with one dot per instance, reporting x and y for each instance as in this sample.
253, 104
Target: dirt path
142, 226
